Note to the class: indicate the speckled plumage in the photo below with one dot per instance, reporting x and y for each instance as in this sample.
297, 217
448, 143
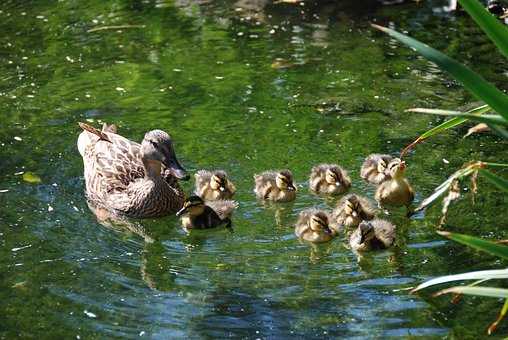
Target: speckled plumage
342, 214
375, 234
304, 231
266, 187
374, 168
319, 184
204, 188
117, 179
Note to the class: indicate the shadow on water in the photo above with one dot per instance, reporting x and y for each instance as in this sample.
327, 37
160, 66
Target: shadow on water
245, 86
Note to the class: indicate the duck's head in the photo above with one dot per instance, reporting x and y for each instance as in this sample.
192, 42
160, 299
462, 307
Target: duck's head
333, 176
319, 223
158, 147
366, 232
218, 181
193, 206
284, 180
396, 168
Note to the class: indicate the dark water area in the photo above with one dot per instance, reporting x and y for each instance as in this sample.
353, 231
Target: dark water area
244, 86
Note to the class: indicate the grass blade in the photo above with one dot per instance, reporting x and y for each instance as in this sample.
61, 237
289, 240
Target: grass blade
443, 126
496, 31
478, 291
477, 243
478, 275
498, 181
473, 82
488, 119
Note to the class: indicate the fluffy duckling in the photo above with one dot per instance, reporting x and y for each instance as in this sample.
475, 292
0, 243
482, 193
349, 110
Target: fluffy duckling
195, 214
396, 191
351, 210
213, 185
275, 186
375, 234
312, 226
329, 179
374, 168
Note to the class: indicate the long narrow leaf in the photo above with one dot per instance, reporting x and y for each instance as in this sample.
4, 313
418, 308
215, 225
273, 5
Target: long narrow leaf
443, 126
478, 275
478, 291
496, 31
473, 82
489, 119
500, 182
477, 243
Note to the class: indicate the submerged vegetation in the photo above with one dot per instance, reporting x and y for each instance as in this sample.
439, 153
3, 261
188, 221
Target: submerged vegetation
496, 101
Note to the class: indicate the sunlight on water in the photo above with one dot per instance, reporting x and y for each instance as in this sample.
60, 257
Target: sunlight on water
245, 86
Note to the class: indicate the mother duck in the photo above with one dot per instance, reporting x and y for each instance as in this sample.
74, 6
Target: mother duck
131, 179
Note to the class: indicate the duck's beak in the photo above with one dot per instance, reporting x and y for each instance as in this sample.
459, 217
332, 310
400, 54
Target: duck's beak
176, 169
402, 166
328, 230
181, 211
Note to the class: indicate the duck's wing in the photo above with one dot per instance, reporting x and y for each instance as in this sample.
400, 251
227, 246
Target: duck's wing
111, 161
385, 232
368, 209
223, 208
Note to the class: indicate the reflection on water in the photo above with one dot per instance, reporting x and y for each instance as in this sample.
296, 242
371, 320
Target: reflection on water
245, 86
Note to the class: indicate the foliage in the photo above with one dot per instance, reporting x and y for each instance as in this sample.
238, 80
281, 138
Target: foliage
495, 100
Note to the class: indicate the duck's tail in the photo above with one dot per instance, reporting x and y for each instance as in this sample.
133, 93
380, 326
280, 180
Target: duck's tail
85, 139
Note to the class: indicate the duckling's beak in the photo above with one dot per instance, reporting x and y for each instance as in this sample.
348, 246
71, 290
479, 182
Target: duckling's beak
182, 211
291, 187
402, 166
328, 230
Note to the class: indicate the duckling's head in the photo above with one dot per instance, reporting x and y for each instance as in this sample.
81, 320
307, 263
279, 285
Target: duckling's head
284, 180
366, 232
193, 206
396, 168
353, 207
319, 223
381, 166
158, 147
218, 181
333, 176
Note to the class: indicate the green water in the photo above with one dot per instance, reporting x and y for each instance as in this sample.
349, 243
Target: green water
208, 73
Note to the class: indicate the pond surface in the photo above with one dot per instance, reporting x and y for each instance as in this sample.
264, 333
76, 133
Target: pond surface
244, 86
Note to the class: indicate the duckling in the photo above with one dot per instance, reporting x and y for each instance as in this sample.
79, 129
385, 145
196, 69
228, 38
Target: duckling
275, 186
375, 234
195, 214
329, 179
374, 168
214, 185
312, 226
396, 191
351, 210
